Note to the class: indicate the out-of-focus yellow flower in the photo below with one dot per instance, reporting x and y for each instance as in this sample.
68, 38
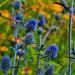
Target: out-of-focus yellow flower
57, 8
50, 1
1, 18
45, 14
2, 36
3, 49
48, 15
66, 16
0, 57
19, 40
42, 12
29, 71
17, 57
33, 45
35, 7
26, 13
73, 17
5, 13
23, 72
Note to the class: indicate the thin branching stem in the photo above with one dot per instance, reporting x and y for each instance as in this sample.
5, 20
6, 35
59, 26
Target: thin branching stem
40, 40
46, 62
46, 36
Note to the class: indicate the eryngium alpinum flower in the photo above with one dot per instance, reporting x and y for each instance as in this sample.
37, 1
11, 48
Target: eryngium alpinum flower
51, 51
31, 25
5, 63
29, 39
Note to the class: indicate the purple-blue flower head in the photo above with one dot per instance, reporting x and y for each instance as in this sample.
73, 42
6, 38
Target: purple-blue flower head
19, 16
31, 25
5, 63
42, 22
41, 17
29, 39
17, 4
51, 51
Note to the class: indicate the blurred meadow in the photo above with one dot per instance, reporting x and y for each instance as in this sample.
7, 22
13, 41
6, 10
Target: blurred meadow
55, 15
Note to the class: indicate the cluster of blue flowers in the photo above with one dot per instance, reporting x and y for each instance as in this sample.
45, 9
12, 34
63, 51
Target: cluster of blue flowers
30, 26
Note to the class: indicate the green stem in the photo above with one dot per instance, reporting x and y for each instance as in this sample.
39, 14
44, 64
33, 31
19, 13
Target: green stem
40, 39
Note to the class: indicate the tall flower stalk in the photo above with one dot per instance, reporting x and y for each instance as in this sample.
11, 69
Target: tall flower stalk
16, 5
70, 34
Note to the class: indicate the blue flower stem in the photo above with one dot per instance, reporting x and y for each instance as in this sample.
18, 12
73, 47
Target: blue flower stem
16, 33
13, 13
14, 63
46, 62
44, 40
25, 64
16, 72
6, 72
40, 39
70, 35
19, 61
44, 71
68, 68
64, 1
26, 73
71, 62
46, 36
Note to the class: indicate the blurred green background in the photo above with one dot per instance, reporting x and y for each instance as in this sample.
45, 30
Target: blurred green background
31, 9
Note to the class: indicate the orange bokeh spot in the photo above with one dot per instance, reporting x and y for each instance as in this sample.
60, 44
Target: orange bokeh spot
3, 49
2, 36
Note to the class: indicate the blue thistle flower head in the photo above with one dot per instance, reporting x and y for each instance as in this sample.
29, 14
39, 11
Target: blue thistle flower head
17, 4
19, 16
5, 63
42, 22
41, 16
40, 31
51, 51
29, 39
31, 25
